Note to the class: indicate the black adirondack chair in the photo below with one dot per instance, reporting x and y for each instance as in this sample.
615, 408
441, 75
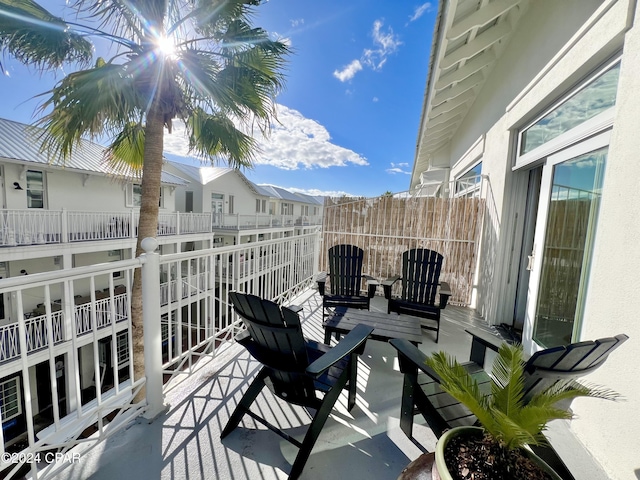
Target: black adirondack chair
420, 285
421, 392
345, 280
294, 369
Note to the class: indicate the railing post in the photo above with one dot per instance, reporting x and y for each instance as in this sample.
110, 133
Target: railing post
316, 253
134, 226
64, 227
151, 327
177, 223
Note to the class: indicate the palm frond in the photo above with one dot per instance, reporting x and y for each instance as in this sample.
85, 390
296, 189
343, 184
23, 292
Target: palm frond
215, 137
35, 37
122, 17
457, 382
511, 432
213, 17
564, 391
89, 103
508, 374
125, 155
534, 419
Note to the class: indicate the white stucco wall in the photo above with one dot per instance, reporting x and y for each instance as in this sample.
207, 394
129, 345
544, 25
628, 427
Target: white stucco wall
73, 191
613, 302
555, 45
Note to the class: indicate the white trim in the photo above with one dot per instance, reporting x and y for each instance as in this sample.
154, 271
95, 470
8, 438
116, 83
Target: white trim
591, 127
599, 141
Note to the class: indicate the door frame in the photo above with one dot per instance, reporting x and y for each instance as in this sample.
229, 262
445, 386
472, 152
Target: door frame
583, 147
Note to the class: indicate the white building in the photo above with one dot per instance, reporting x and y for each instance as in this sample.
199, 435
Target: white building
58, 215
541, 97
242, 211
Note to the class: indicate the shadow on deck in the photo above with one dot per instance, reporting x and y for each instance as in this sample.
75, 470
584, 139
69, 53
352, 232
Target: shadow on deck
364, 444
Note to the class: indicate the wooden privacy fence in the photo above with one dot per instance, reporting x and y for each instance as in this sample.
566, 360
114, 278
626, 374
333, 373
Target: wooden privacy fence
384, 227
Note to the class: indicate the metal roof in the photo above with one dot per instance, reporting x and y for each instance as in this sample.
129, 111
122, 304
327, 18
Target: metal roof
205, 175
21, 143
280, 193
468, 39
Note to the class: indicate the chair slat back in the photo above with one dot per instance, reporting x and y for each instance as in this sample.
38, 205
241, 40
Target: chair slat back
345, 269
420, 275
278, 343
570, 362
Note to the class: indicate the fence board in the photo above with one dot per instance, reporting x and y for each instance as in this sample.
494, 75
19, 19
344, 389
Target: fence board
386, 226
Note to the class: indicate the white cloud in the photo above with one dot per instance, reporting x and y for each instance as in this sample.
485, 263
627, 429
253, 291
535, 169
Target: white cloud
295, 142
398, 168
296, 22
419, 11
375, 99
385, 43
349, 71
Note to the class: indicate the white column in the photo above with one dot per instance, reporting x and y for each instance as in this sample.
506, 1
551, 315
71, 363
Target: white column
151, 328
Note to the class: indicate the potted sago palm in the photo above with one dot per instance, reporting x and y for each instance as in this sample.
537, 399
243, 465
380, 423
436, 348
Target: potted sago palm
497, 449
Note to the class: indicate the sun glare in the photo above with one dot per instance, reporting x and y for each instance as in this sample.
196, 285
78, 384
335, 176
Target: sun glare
166, 46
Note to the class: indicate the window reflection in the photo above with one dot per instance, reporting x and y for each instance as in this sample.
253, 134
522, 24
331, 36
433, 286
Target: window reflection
595, 98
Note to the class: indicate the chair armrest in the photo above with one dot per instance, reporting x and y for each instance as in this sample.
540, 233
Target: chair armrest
372, 285
387, 284
353, 343
295, 308
321, 279
445, 293
480, 340
411, 358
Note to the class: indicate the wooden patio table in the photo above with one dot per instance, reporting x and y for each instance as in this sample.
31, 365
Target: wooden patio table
385, 326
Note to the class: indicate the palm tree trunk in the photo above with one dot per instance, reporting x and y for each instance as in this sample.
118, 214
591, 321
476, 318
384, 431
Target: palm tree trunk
147, 226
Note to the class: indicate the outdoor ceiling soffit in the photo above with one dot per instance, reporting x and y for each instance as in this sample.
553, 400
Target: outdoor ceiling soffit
474, 36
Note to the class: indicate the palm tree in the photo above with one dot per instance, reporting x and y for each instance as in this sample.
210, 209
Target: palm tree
199, 61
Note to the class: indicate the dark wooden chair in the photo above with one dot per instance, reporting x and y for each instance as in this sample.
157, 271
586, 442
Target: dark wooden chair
420, 286
421, 392
345, 280
294, 369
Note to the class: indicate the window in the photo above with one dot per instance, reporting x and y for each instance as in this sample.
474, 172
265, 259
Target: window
286, 209
469, 183
272, 208
594, 97
122, 349
115, 256
305, 210
231, 204
35, 189
133, 195
261, 206
10, 401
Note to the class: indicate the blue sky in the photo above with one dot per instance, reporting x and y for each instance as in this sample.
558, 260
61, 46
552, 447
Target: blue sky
349, 114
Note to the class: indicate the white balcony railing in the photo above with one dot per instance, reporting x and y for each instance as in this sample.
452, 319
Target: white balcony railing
85, 344
33, 227
84, 323
257, 221
36, 335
